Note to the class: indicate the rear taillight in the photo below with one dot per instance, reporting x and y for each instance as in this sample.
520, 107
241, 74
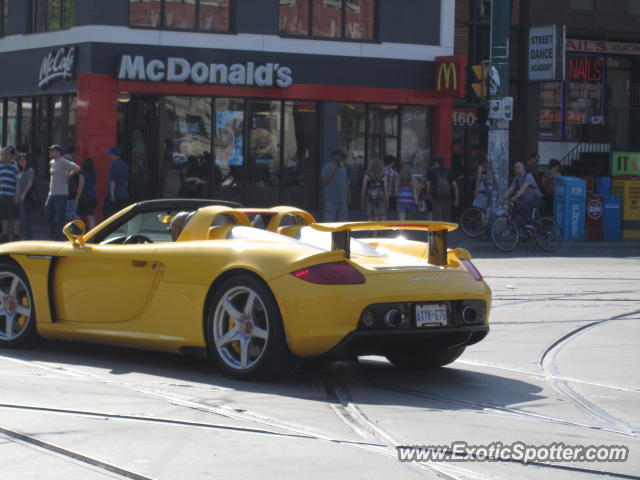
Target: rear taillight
471, 268
335, 273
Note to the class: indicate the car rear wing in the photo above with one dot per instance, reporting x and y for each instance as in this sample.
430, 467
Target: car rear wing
437, 235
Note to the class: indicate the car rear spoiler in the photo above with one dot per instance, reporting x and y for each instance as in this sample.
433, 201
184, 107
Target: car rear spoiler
437, 235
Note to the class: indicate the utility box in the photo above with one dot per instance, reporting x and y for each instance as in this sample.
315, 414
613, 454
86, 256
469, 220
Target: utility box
612, 217
629, 190
569, 206
603, 185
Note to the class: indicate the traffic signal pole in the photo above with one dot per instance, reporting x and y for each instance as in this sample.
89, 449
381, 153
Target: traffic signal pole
498, 154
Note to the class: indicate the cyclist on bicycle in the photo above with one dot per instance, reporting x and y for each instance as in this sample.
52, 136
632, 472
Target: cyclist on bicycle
527, 194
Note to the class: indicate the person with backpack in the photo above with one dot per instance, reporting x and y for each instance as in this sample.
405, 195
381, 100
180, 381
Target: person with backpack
374, 191
443, 188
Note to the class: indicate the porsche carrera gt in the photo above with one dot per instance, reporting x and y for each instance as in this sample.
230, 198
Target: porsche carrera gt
254, 289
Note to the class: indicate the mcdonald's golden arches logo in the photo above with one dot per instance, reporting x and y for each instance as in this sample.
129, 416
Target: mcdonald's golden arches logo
450, 76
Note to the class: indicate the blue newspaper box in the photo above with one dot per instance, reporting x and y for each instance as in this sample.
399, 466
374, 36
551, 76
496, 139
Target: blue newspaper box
612, 217
569, 206
603, 186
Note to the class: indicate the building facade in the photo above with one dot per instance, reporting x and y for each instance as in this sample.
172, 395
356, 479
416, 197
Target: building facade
231, 99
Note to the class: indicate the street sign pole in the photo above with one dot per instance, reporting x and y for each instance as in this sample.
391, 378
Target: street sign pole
498, 154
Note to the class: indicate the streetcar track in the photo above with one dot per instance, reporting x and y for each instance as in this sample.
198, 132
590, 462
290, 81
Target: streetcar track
344, 396
548, 367
69, 455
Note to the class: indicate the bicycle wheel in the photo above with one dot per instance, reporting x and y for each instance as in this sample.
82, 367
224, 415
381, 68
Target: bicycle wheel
473, 222
548, 234
504, 234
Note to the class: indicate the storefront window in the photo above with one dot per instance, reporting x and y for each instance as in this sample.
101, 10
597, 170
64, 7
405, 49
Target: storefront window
263, 168
4, 14
294, 17
12, 122
71, 124
383, 131
145, 13
551, 110
416, 137
57, 124
359, 19
186, 134
353, 19
180, 14
25, 125
584, 95
209, 15
52, 14
327, 18
229, 146
214, 15
351, 137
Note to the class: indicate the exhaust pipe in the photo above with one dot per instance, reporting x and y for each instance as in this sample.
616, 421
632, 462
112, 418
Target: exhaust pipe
469, 314
392, 318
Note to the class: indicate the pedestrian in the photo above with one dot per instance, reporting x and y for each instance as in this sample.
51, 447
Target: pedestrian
8, 186
391, 175
118, 193
548, 184
407, 193
481, 190
88, 199
55, 206
531, 166
75, 184
336, 188
527, 195
374, 191
26, 177
442, 188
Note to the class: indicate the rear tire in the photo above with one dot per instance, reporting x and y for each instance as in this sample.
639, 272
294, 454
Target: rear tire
17, 312
417, 358
473, 222
548, 234
244, 331
504, 234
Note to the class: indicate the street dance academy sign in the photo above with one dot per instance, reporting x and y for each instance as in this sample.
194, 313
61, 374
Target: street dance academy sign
175, 69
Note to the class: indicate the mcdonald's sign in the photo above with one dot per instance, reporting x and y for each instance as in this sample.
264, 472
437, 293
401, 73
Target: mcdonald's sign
451, 76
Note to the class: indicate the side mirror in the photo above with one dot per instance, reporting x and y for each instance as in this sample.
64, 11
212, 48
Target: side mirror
74, 231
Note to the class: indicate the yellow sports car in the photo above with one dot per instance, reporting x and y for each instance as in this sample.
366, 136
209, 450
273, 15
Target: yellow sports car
254, 289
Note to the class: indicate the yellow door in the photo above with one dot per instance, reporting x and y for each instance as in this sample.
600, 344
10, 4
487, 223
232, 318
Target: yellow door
103, 283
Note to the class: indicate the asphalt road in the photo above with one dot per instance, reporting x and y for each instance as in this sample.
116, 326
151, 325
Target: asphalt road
561, 364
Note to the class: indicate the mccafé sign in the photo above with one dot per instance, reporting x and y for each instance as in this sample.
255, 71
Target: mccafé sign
450, 76
57, 65
175, 69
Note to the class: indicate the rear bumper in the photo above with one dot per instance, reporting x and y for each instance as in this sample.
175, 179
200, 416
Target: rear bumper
378, 342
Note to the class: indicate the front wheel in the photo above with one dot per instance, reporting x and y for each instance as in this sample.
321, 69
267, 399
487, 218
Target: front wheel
473, 222
244, 330
548, 234
419, 358
504, 234
17, 313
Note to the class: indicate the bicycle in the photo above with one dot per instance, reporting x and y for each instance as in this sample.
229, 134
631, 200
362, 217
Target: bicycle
507, 230
474, 222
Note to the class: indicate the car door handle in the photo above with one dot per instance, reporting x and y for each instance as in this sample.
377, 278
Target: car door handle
138, 263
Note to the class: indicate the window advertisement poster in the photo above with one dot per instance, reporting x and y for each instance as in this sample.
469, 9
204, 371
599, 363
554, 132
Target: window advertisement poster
229, 138
585, 89
551, 110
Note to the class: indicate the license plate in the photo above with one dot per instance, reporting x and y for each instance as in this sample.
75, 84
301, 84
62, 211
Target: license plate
430, 315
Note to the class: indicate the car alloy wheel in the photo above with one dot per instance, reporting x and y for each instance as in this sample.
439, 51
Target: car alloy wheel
240, 328
17, 318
